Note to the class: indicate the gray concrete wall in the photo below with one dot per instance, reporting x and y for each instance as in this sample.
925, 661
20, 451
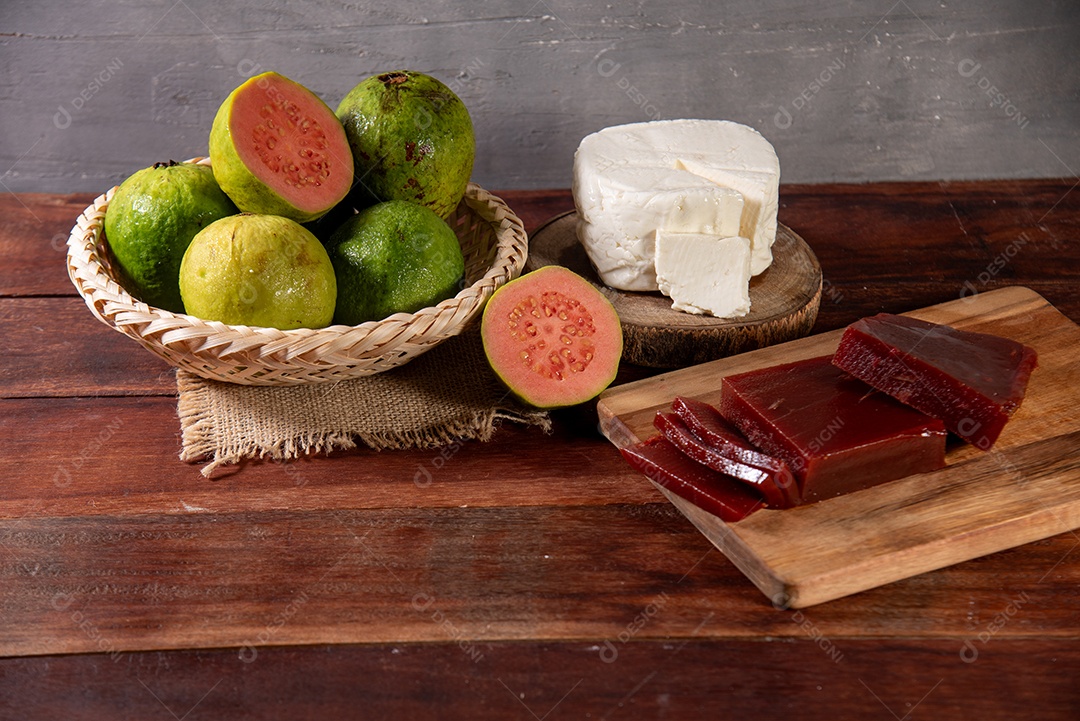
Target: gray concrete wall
847, 91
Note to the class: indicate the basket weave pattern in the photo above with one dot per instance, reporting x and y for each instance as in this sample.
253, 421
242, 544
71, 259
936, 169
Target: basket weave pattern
493, 242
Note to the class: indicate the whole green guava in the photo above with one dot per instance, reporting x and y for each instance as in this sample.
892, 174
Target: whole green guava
150, 221
411, 139
260, 270
394, 257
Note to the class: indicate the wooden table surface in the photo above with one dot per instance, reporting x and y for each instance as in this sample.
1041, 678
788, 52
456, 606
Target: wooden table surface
536, 576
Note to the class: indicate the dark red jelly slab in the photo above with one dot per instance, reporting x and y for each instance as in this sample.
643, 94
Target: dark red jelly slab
704, 420
835, 432
971, 381
778, 489
710, 491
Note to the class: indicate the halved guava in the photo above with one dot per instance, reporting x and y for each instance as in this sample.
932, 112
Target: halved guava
277, 149
552, 338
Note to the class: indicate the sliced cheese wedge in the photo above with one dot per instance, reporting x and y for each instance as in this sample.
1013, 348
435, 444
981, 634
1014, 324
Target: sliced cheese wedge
633, 203
760, 192
704, 274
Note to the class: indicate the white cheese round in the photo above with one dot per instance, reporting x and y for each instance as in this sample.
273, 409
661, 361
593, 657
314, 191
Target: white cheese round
711, 177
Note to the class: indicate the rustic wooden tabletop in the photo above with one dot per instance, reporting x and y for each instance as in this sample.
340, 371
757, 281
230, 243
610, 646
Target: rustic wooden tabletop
535, 576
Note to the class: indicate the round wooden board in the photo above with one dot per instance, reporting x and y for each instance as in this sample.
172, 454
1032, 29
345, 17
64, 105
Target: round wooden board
784, 302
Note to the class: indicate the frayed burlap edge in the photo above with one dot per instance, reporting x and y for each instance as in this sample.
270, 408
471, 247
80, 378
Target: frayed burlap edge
200, 437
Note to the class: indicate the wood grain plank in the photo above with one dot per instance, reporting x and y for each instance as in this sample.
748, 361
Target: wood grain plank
978, 222
863, 299
55, 347
536, 207
531, 574
908, 527
1027, 488
733, 679
898, 246
33, 242
167, 568
90, 456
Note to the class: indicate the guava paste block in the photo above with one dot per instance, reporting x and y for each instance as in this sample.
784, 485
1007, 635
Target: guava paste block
971, 381
666, 465
698, 430
835, 432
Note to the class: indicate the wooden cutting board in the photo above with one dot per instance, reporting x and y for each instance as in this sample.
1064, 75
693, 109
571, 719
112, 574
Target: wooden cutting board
1026, 488
784, 302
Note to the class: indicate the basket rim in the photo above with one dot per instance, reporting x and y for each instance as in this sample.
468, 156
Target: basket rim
511, 245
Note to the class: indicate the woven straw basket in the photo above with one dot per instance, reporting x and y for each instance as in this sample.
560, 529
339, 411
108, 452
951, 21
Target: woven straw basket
493, 242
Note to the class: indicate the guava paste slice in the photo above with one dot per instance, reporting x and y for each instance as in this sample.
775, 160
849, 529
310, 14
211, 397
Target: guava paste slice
835, 432
971, 381
706, 422
664, 464
676, 431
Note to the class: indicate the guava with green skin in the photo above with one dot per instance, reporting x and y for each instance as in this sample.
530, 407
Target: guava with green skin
150, 221
260, 270
552, 338
394, 257
278, 149
411, 139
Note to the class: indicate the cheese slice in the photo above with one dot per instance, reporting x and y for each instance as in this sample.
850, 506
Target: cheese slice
631, 181
704, 274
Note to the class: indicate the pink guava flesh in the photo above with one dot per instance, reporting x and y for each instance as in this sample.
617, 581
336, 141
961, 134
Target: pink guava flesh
552, 338
295, 146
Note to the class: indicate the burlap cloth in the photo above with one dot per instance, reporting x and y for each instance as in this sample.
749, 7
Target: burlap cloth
445, 395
